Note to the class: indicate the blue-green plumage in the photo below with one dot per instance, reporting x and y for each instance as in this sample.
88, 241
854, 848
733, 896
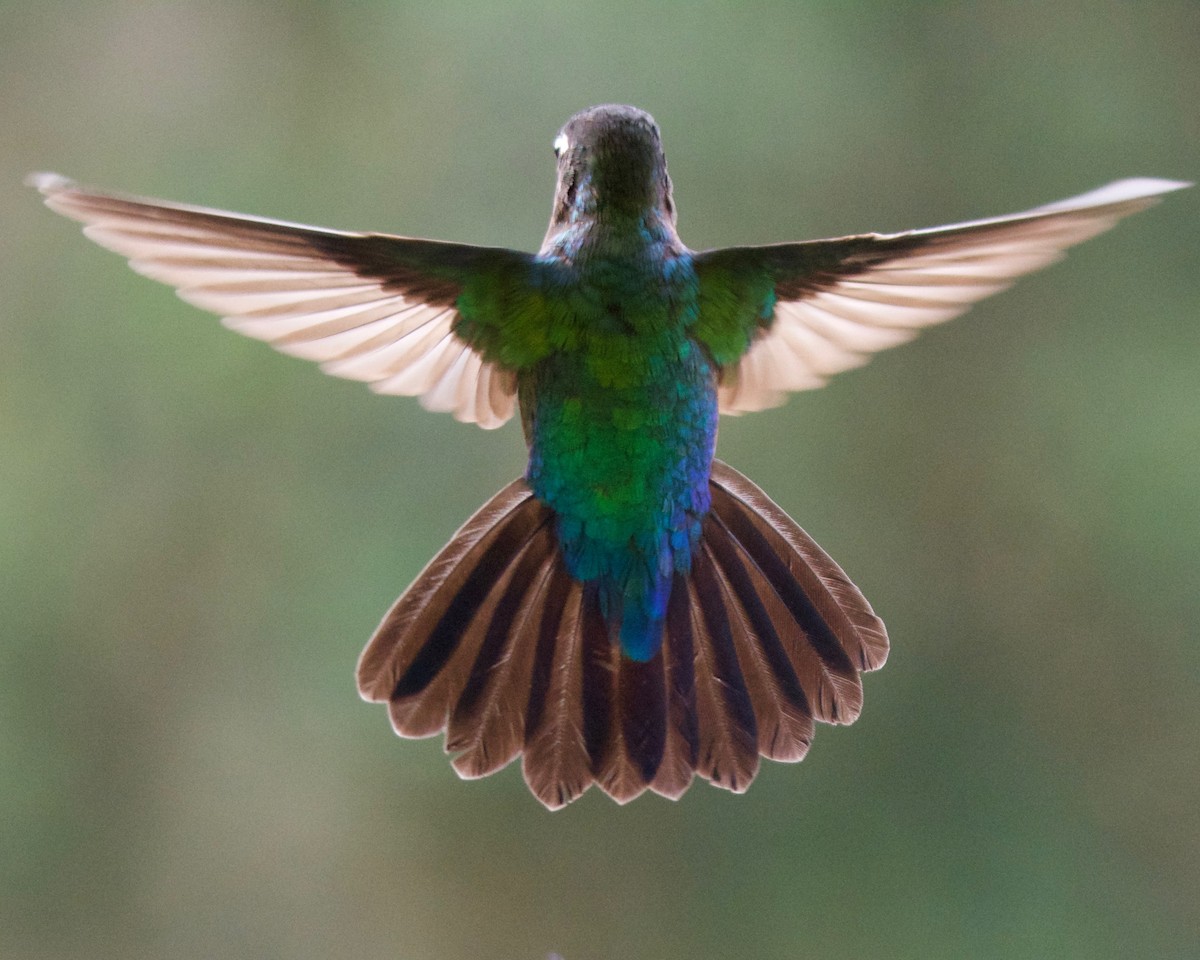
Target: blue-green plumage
622, 424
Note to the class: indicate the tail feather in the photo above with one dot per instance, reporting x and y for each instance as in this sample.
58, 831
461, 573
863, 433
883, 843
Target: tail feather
425, 697
681, 747
499, 646
728, 729
837, 599
632, 704
785, 721
600, 666
404, 632
642, 706
623, 708
488, 721
556, 762
831, 691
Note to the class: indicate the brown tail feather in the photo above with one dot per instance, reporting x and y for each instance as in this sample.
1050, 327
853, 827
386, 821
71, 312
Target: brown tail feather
600, 666
472, 607
837, 599
728, 729
425, 698
642, 709
488, 722
785, 722
496, 644
404, 632
556, 762
628, 749
831, 691
681, 747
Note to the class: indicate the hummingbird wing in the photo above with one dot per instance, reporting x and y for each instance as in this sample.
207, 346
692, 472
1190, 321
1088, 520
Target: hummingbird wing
367, 306
788, 316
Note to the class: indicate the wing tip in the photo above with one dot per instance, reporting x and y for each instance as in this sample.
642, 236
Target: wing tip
1141, 192
1151, 186
48, 183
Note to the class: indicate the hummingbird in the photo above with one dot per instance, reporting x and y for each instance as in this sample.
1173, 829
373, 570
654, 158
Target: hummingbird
632, 612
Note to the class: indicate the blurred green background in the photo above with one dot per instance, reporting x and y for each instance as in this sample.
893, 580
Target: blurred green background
199, 534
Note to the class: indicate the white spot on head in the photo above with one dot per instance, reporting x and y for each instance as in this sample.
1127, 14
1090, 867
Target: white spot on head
560, 144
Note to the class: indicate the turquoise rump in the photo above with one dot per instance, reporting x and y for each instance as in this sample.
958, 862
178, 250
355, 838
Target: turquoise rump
632, 612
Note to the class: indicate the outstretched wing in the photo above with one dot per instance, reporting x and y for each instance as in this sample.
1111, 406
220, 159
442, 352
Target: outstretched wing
367, 306
789, 316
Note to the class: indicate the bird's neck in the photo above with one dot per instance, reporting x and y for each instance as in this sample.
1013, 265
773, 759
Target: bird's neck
611, 233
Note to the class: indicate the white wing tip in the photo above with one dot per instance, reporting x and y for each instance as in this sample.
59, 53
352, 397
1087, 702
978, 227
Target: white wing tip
48, 183
1148, 186
1120, 191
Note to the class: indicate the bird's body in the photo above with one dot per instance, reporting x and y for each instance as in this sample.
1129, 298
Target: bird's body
632, 612
621, 418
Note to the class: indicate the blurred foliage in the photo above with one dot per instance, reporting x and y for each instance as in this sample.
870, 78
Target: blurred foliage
199, 533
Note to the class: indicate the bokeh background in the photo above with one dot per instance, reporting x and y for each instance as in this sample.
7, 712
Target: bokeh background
198, 534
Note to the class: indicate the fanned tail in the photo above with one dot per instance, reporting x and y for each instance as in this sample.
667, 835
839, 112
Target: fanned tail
497, 645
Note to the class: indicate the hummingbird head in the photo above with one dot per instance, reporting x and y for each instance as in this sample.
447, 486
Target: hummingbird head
610, 164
